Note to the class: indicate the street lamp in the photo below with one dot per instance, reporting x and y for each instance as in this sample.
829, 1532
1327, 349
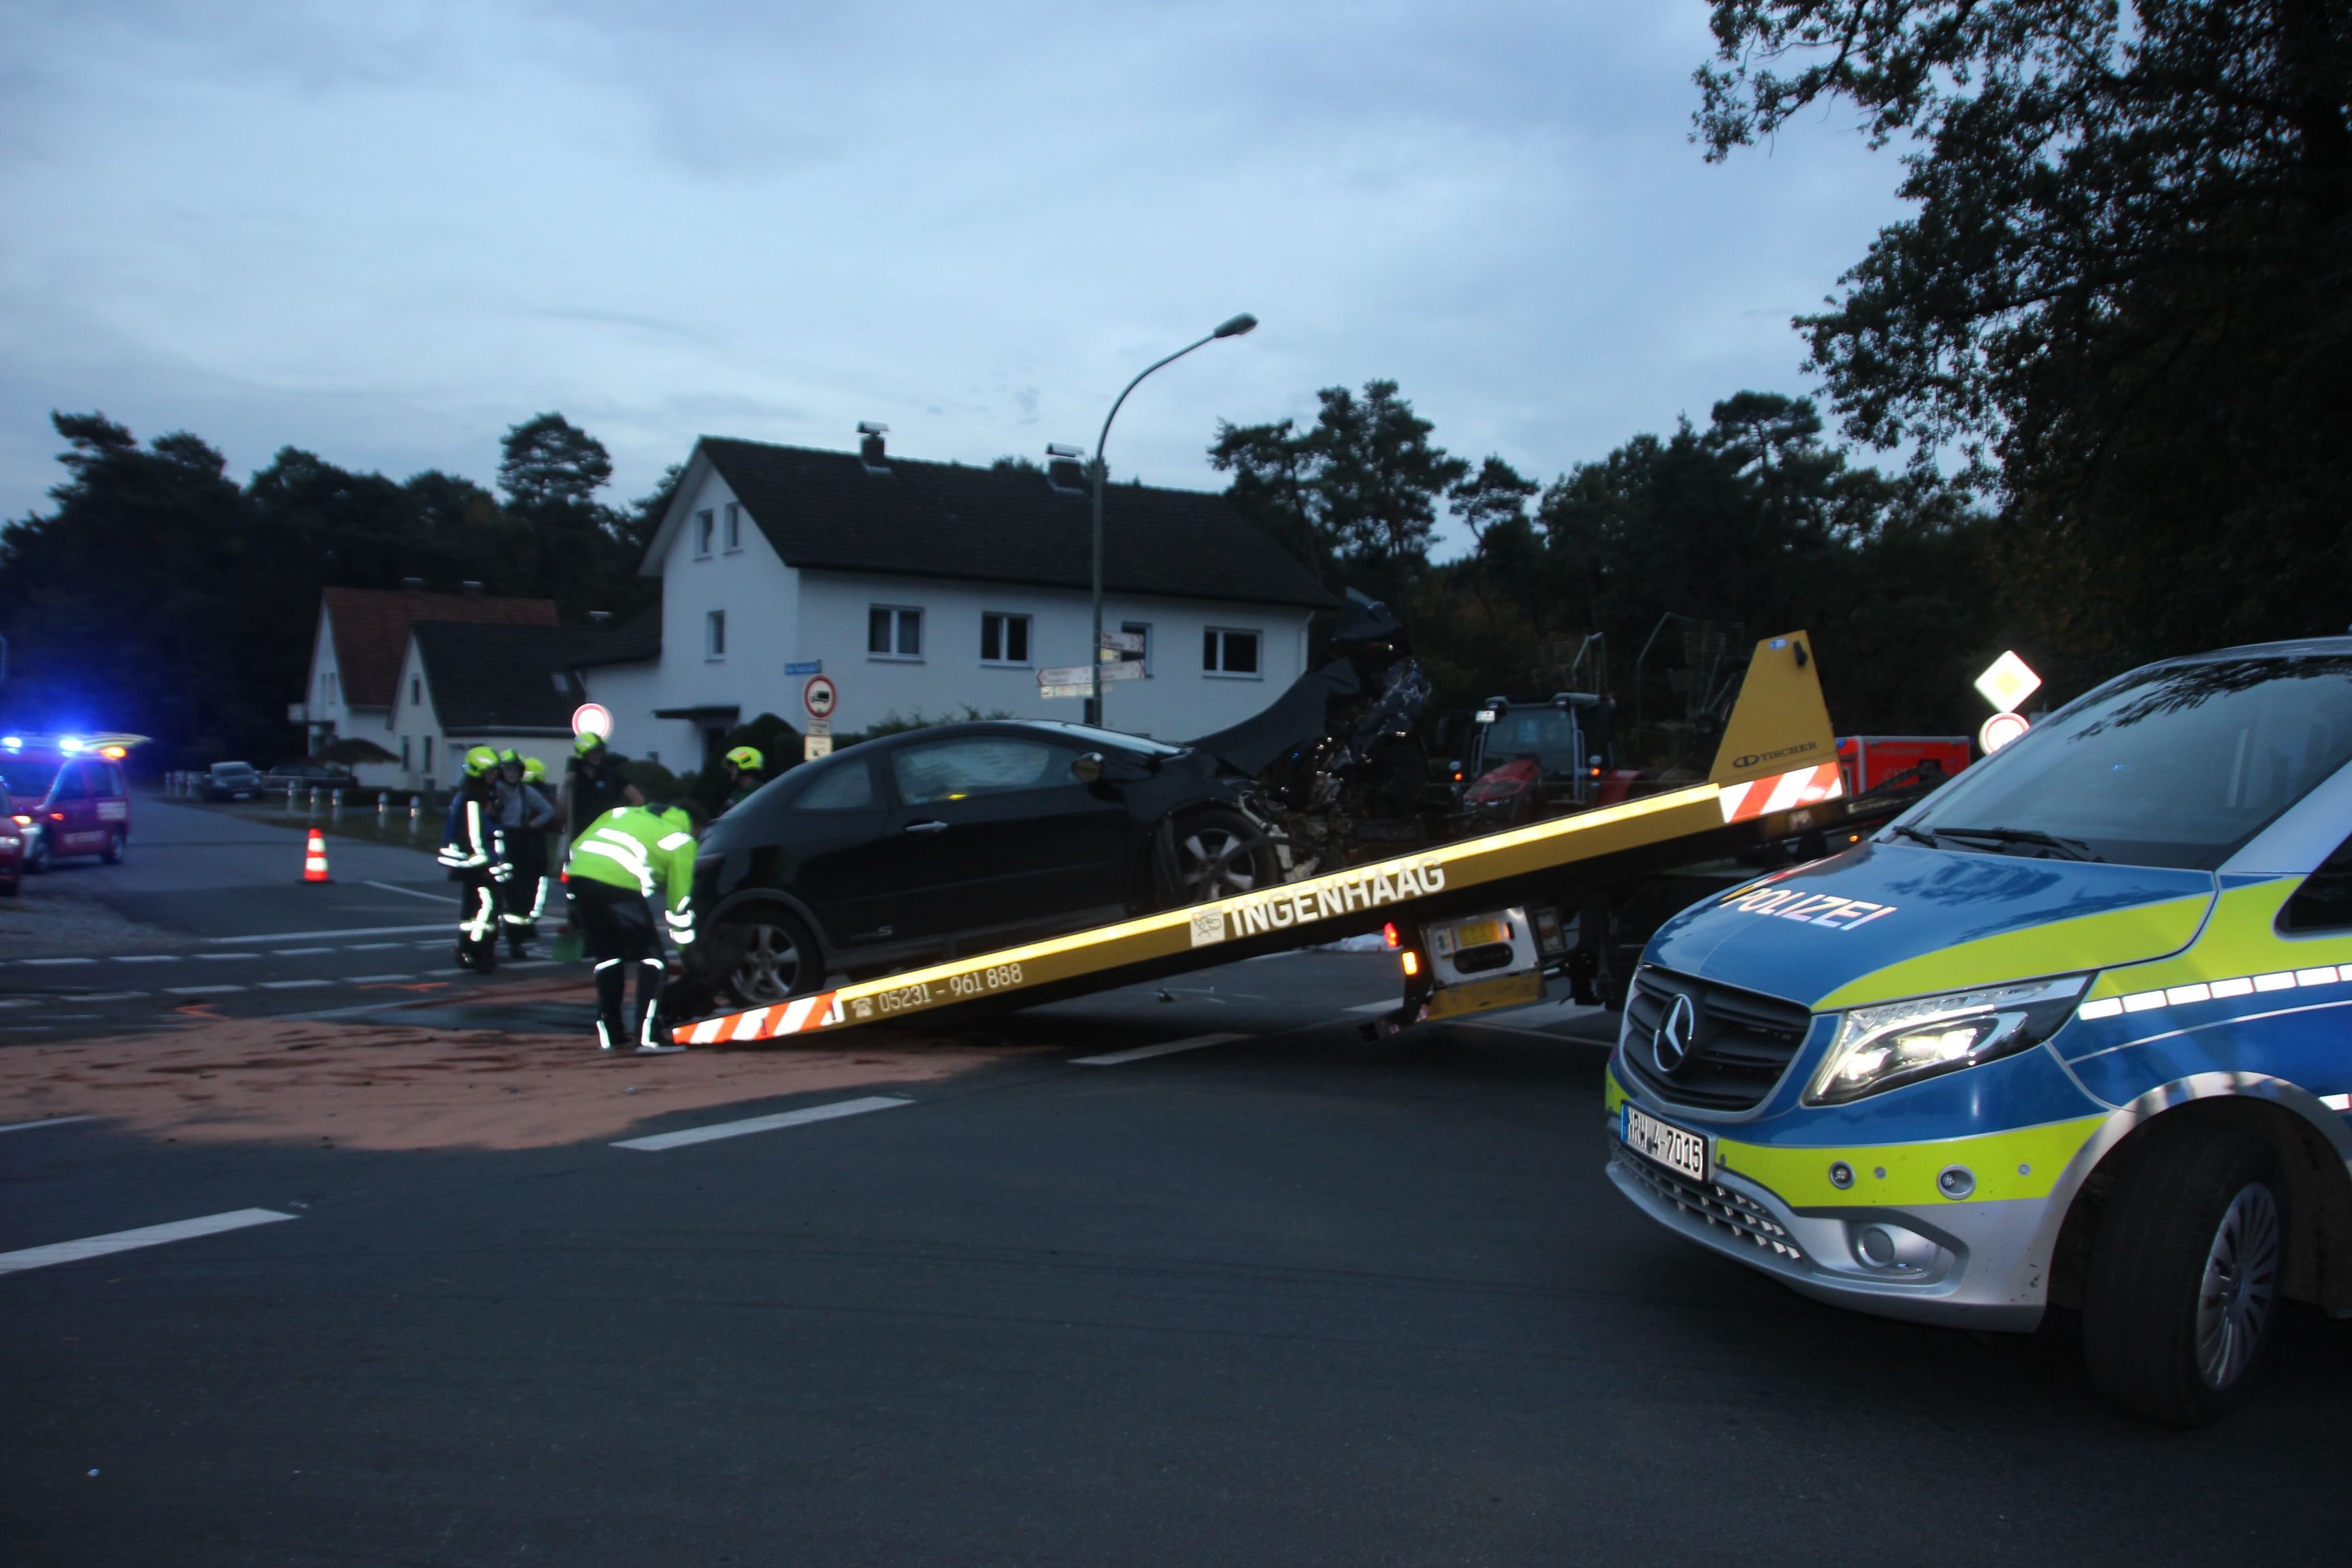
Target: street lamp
1230, 329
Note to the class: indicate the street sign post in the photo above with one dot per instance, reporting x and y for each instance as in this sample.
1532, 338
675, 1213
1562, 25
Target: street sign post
1121, 642
805, 667
593, 718
816, 746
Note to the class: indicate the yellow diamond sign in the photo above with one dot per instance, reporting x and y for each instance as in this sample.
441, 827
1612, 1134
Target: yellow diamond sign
2007, 682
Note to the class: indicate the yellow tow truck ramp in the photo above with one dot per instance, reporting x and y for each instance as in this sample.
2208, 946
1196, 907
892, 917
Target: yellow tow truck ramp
1775, 775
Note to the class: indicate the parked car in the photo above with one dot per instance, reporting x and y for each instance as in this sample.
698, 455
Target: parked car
12, 847
68, 805
307, 773
234, 780
961, 838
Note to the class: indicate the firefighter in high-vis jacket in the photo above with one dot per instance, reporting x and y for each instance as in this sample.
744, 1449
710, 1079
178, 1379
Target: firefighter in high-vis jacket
615, 866
475, 853
747, 770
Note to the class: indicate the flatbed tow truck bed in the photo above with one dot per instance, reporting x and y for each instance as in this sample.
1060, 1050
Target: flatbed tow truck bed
1776, 777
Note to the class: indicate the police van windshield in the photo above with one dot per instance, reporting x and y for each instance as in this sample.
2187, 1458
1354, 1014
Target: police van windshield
2179, 768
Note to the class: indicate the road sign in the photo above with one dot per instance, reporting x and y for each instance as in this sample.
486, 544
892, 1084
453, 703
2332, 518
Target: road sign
2001, 729
1118, 670
1066, 675
805, 667
593, 718
818, 697
1051, 690
819, 727
2007, 682
1122, 642
816, 746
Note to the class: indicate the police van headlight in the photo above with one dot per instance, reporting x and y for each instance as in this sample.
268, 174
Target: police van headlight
1886, 1047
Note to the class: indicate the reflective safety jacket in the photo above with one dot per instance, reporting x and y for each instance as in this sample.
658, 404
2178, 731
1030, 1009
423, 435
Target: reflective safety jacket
473, 839
629, 846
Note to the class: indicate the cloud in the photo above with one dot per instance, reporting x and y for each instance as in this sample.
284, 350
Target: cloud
387, 232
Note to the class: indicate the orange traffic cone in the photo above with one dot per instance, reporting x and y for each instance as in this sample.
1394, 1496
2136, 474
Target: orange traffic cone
314, 860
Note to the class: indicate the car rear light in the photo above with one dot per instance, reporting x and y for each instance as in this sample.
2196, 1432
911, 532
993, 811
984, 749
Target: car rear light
1411, 963
1388, 932
24, 821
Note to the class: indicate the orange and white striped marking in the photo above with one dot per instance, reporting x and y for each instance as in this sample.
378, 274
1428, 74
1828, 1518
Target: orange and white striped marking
314, 859
1783, 792
794, 1018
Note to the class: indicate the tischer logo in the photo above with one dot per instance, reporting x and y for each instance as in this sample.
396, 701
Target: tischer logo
1259, 913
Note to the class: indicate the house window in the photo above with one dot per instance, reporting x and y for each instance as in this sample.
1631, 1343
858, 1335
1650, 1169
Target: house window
714, 634
734, 525
428, 754
1224, 651
1129, 656
702, 525
415, 690
1004, 639
893, 631
403, 754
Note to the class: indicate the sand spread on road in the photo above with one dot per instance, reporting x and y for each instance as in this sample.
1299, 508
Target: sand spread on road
377, 1085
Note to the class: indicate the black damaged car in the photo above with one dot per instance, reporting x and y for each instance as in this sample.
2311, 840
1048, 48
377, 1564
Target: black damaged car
919, 848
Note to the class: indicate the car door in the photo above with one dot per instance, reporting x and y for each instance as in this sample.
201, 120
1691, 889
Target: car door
110, 800
73, 812
833, 838
995, 834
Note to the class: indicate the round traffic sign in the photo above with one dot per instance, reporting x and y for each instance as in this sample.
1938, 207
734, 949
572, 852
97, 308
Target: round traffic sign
2001, 729
818, 697
593, 718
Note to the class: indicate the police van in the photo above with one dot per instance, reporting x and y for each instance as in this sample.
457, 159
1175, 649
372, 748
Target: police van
2075, 1031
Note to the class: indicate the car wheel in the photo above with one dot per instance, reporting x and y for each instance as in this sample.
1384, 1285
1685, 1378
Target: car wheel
8, 889
36, 854
765, 956
1220, 854
2184, 1278
114, 845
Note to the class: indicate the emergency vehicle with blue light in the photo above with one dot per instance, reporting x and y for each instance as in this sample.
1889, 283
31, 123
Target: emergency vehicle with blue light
67, 795
2070, 1033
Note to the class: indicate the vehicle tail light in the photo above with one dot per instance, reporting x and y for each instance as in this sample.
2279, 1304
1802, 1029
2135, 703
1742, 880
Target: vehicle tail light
1411, 963
1388, 932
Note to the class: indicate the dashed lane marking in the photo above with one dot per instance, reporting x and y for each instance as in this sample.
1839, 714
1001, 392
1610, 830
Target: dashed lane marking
294, 984
315, 935
377, 979
200, 990
298, 951
130, 1240
412, 892
375, 946
1165, 1049
53, 963
528, 964
45, 1121
106, 996
229, 957
717, 1131
151, 958
1373, 1008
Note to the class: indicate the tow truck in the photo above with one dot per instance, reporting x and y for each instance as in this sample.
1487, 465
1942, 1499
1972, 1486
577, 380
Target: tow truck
1476, 921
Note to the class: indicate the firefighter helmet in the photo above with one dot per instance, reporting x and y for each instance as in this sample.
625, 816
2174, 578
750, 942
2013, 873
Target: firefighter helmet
480, 762
533, 771
589, 741
748, 759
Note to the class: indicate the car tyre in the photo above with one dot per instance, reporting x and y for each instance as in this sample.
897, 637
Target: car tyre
115, 841
37, 855
765, 954
1221, 854
2183, 1286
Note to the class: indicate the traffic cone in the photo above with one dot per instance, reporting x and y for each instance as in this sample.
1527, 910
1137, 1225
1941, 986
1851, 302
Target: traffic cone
314, 859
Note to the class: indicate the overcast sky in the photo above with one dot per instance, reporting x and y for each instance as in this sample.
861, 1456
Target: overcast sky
387, 232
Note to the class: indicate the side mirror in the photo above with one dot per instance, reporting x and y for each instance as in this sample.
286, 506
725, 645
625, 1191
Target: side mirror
1087, 769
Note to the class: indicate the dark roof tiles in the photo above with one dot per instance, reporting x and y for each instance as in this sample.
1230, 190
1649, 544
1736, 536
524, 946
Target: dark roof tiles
371, 628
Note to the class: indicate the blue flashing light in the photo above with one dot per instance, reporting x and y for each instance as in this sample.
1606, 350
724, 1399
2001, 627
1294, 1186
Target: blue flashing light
70, 743
13, 742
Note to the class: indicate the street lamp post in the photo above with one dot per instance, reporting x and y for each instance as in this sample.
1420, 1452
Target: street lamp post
1230, 329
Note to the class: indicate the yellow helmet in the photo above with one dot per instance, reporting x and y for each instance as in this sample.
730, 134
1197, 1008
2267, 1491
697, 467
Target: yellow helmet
533, 771
748, 759
480, 762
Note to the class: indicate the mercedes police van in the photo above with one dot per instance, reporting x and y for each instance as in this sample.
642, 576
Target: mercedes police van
2075, 1031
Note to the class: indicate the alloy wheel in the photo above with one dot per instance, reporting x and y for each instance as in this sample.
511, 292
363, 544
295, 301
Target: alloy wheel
2240, 1287
768, 967
1214, 864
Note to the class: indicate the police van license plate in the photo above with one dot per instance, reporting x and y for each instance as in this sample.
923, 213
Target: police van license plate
1667, 1145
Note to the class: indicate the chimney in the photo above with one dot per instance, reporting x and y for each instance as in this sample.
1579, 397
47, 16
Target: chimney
413, 585
473, 589
600, 617
869, 446
1064, 472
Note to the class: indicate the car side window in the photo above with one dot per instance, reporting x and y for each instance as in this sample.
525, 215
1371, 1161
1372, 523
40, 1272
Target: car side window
2324, 902
848, 787
979, 765
71, 785
116, 785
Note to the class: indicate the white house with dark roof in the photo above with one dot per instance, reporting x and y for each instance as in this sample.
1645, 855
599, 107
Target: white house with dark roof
926, 588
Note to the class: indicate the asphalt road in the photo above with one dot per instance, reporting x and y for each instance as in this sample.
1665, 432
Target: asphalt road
1292, 1297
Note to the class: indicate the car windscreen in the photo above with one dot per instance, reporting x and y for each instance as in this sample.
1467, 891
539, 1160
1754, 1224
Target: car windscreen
2177, 768
28, 778
233, 770
1546, 734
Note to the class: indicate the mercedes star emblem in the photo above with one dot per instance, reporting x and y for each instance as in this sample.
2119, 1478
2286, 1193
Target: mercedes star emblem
1671, 1041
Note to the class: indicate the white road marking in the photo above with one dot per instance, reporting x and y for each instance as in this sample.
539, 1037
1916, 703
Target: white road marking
152, 958
229, 957
294, 984
437, 898
527, 963
377, 979
51, 962
1375, 1007
200, 990
19, 1002
660, 1140
296, 952
50, 1122
1165, 1049
375, 946
315, 935
108, 996
130, 1240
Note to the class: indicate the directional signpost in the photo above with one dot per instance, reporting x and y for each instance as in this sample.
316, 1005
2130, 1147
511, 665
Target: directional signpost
1071, 680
